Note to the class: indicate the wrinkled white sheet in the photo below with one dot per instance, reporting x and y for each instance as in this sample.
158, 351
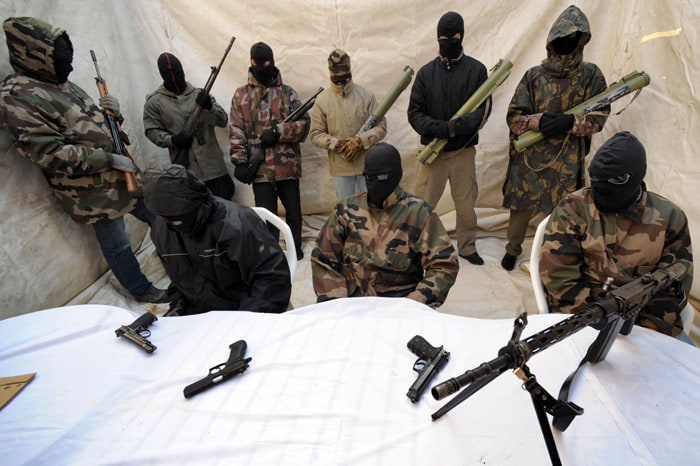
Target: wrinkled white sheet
326, 386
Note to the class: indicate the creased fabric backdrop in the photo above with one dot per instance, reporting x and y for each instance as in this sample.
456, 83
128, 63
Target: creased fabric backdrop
46, 259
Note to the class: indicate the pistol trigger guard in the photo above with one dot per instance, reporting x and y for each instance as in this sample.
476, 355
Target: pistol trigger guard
143, 332
419, 365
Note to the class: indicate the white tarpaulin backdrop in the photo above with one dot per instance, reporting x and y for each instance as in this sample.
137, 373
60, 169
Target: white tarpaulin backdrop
46, 259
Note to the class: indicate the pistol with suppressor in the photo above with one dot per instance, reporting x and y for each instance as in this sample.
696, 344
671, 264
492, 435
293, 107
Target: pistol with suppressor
235, 365
138, 333
430, 361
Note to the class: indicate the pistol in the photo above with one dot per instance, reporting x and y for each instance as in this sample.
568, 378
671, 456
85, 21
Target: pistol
236, 364
430, 361
138, 332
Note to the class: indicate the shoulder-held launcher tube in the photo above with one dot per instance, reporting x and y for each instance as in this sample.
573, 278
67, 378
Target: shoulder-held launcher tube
388, 100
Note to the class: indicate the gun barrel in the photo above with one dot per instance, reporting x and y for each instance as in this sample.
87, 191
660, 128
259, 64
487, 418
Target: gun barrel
499, 73
629, 83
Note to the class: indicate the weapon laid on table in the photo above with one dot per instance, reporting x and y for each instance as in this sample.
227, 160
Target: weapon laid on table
634, 81
619, 306
138, 332
181, 156
499, 73
430, 361
119, 147
382, 107
235, 365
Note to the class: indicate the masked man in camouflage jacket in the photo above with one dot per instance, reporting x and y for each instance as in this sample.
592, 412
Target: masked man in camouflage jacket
165, 114
542, 174
58, 127
265, 151
618, 229
385, 242
339, 113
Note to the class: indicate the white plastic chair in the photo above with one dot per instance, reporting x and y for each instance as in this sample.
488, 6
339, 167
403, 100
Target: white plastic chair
290, 249
687, 313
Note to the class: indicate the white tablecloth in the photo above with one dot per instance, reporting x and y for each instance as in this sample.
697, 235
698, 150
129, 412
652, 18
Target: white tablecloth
327, 386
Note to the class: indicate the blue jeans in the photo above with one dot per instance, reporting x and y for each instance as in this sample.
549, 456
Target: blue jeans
345, 185
116, 249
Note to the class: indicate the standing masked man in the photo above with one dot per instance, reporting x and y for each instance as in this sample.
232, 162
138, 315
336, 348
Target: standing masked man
56, 125
165, 114
266, 151
441, 87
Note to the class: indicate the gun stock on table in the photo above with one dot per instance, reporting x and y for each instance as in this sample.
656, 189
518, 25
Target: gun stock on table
629, 83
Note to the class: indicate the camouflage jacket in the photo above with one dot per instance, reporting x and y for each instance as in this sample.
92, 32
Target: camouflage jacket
340, 112
165, 114
538, 177
583, 246
255, 108
400, 250
59, 128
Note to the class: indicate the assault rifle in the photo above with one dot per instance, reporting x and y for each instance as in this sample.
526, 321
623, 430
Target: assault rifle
235, 365
499, 73
138, 333
613, 310
430, 361
634, 81
181, 156
382, 107
119, 147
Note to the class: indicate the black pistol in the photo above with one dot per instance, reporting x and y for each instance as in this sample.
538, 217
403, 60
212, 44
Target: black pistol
430, 361
138, 332
235, 365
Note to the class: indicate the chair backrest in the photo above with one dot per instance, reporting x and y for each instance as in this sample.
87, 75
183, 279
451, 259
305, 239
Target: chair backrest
537, 287
290, 249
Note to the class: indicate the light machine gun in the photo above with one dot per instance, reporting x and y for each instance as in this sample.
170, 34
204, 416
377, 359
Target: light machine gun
634, 81
181, 156
499, 73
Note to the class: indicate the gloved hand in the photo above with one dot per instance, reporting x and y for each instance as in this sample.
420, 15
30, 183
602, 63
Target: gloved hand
109, 102
243, 174
269, 137
256, 159
352, 147
181, 140
122, 162
204, 100
555, 124
176, 308
467, 125
440, 129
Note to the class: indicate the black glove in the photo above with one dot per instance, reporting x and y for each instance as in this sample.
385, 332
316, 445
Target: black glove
555, 124
243, 173
256, 159
269, 137
466, 125
204, 100
182, 140
440, 129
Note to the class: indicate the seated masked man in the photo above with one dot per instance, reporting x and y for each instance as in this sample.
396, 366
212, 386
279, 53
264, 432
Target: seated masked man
616, 229
384, 242
219, 255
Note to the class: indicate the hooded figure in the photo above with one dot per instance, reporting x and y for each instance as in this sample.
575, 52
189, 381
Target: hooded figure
218, 254
541, 175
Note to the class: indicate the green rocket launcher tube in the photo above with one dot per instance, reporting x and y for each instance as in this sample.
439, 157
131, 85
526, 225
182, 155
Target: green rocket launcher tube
630, 83
388, 100
499, 74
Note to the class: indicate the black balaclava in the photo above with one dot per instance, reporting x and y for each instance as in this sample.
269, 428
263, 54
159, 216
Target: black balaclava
382, 172
261, 53
172, 73
175, 194
617, 171
62, 57
450, 24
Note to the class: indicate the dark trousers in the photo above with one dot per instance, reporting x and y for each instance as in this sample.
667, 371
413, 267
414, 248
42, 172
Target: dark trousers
266, 195
222, 187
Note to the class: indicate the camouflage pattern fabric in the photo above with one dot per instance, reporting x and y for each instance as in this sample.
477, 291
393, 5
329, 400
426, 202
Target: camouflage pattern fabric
59, 128
254, 108
401, 250
543, 173
583, 246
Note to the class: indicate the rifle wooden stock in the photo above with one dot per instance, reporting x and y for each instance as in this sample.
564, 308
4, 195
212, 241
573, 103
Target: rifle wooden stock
132, 184
629, 83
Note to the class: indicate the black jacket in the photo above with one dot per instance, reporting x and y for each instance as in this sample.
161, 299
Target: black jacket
438, 93
232, 263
